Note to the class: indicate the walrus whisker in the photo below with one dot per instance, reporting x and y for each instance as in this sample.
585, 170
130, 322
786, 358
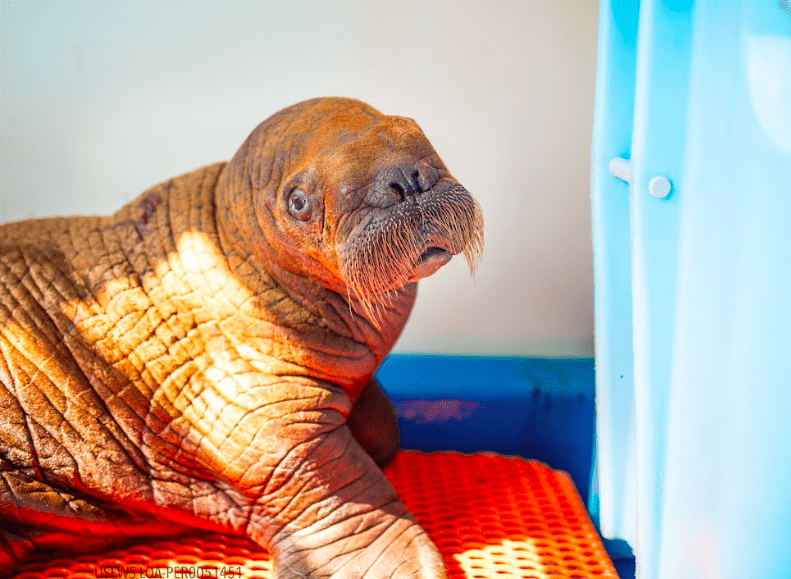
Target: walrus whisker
386, 254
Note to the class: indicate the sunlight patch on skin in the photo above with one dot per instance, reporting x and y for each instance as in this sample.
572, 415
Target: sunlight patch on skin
205, 391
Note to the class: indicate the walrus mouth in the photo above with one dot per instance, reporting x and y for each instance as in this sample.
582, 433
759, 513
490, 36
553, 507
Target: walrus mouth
409, 241
429, 262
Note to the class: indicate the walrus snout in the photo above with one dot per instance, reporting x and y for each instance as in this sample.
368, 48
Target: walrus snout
396, 183
408, 240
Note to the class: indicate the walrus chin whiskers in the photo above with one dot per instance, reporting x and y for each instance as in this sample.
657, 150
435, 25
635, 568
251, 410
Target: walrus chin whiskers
383, 257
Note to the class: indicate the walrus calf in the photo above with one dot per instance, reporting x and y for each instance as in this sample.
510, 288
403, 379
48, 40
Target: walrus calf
204, 358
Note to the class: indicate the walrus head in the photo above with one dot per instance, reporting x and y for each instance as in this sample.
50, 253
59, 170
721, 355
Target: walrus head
343, 194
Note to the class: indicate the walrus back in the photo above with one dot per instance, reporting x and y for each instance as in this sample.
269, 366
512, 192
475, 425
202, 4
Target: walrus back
71, 414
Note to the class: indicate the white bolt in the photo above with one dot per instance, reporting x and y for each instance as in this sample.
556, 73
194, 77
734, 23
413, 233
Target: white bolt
659, 187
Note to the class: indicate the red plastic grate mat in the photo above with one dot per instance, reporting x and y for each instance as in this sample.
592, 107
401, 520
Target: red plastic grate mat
491, 516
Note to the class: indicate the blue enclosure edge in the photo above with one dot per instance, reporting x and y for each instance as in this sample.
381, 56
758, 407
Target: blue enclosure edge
538, 408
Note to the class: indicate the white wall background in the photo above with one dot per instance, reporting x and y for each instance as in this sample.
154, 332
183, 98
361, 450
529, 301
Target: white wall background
101, 100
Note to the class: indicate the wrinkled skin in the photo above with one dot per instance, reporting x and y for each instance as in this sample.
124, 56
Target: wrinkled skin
204, 358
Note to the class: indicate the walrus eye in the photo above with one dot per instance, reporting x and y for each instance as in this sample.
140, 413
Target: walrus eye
299, 204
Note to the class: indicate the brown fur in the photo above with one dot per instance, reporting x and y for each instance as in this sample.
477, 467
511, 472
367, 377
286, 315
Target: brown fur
190, 362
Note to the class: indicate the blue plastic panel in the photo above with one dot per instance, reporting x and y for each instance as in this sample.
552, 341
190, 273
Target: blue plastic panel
533, 407
696, 476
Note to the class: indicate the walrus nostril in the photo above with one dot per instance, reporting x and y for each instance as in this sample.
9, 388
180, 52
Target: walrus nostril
400, 191
395, 184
